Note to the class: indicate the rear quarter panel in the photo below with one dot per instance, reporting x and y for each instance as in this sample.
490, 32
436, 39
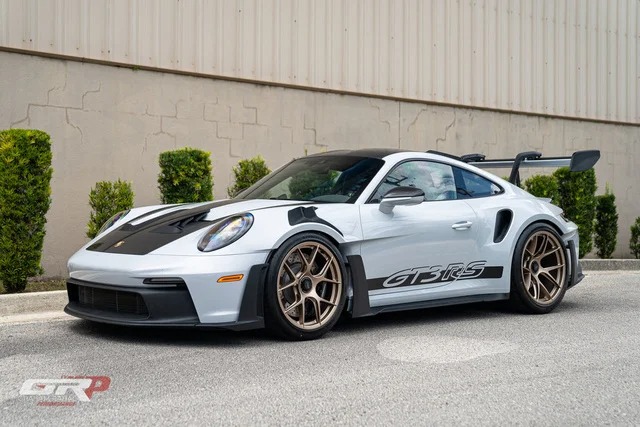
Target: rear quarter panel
526, 211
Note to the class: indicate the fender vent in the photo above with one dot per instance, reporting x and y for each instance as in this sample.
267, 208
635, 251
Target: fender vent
503, 221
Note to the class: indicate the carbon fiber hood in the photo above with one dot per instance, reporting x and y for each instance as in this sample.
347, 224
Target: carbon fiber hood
152, 230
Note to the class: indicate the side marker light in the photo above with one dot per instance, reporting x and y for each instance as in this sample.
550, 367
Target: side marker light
231, 278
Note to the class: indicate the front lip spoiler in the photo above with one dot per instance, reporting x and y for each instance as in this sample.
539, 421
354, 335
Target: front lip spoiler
104, 317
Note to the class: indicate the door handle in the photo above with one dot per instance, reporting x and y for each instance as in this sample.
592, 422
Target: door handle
462, 225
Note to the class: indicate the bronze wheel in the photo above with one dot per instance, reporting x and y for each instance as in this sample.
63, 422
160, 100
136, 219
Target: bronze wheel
306, 289
309, 285
544, 267
539, 270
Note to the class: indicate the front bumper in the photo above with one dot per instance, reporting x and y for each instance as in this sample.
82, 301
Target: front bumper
169, 304
214, 302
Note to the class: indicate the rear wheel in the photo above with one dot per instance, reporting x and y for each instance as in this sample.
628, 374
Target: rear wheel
539, 275
305, 290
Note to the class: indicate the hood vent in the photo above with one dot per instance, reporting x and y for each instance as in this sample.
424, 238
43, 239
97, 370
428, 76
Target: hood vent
178, 227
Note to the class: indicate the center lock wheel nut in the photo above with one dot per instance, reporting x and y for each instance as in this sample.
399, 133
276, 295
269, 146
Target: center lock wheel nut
306, 285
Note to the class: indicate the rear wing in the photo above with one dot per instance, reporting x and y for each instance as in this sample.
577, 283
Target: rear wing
577, 162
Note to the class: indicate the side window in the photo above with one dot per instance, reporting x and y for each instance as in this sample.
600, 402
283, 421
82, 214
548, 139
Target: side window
470, 185
435, 179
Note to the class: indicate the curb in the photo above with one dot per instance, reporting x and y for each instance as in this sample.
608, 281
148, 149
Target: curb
610, 264
32, 302
50, 316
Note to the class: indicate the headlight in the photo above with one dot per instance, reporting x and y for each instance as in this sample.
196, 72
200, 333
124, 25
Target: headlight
112, 220
225, 232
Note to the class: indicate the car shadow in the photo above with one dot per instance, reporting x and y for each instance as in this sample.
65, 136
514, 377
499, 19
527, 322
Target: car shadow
203, 337
435, 315
206, 337
196, 337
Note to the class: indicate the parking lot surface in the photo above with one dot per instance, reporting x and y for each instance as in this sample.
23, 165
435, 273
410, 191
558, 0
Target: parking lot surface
469, 365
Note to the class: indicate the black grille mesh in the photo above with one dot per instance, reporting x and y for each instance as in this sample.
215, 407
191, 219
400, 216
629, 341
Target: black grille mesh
110, 300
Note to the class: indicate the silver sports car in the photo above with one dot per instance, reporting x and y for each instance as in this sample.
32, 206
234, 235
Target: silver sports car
360, 232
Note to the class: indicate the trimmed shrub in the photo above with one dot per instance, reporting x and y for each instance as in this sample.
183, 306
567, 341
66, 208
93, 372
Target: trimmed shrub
185, 176
25, 176
106, 199
246, 173
634, 242
543, 186
606, 226
577, 197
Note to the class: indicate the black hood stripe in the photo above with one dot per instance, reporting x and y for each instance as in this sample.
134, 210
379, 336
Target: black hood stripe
150, 235
153, 234
174, 215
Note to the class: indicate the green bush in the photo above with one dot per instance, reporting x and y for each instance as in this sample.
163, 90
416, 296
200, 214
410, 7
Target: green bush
634, 242
185, 176
246, 173
106, 199
577, 197
606, 226
543, 186
25, 176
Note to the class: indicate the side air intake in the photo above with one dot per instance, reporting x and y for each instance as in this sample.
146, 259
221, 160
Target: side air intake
503, 222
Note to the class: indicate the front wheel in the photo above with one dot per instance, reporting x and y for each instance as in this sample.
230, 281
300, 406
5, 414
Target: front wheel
305, 291
539, 274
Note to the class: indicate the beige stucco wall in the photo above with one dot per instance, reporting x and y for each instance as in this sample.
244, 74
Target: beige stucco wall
108, 123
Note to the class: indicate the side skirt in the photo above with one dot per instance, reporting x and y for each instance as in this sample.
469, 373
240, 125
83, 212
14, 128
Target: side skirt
439, 302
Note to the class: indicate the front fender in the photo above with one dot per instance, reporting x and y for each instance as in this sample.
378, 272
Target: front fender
311, 227
340, 222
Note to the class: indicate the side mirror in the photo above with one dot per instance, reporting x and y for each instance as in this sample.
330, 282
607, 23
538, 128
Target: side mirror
400, 196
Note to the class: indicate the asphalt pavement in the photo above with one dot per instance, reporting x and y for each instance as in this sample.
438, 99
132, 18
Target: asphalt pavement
468, 365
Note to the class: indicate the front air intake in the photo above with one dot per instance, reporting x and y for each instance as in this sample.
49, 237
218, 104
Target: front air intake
109, 300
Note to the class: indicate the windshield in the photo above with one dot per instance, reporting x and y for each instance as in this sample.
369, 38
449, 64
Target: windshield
332, 179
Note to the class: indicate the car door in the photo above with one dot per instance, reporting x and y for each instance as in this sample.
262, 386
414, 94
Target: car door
419, 252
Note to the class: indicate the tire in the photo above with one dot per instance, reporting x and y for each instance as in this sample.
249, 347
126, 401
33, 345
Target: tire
305, 293
539, 270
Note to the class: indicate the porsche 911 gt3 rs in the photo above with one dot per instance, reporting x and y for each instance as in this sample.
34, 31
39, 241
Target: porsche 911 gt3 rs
360, 232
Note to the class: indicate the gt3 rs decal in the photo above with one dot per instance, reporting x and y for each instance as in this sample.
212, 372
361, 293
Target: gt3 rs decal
437, 275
